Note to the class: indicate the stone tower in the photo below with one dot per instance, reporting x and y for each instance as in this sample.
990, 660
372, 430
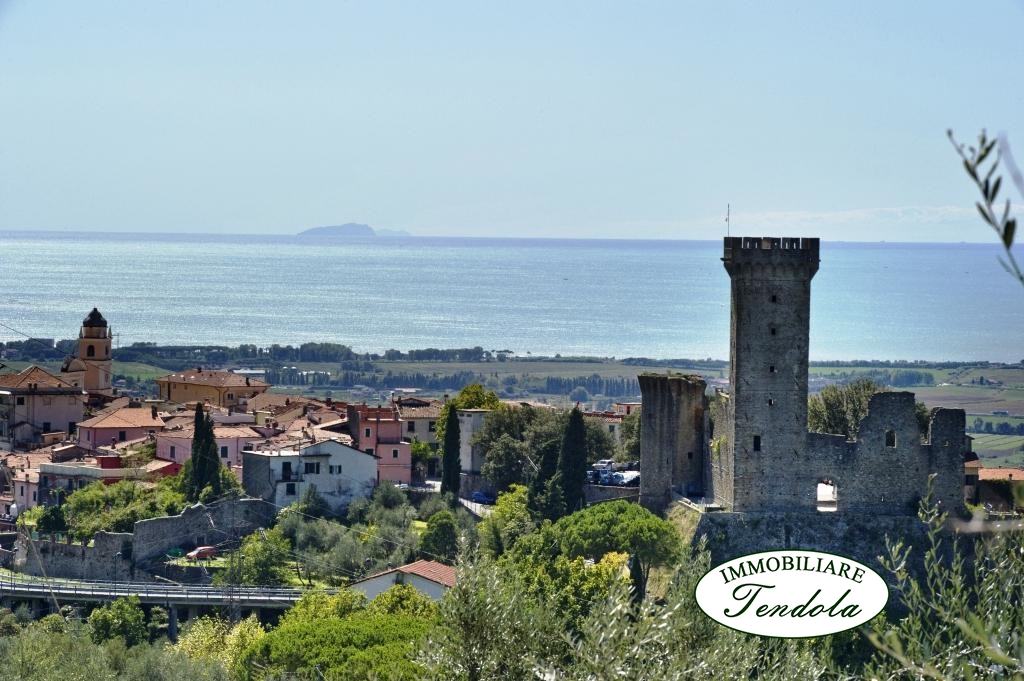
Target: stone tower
671, 438
766, 427
90, 367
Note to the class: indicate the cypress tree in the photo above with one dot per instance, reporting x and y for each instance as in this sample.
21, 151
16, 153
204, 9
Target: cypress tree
205, 469
572, 461
450, 466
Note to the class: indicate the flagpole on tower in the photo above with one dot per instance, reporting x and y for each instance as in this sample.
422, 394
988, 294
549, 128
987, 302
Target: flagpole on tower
727, 225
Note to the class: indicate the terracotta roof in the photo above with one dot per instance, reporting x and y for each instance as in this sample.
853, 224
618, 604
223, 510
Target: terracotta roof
431, 410
272, 401
186, 432
975, 463
34, 375
218, 379
126, 417
432, 570
1015, 474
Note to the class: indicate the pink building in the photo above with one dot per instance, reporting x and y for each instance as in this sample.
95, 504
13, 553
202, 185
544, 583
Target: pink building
176, 444
120, 425
378, 431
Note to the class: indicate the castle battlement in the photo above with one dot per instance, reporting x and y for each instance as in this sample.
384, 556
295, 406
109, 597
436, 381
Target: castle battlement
743, 252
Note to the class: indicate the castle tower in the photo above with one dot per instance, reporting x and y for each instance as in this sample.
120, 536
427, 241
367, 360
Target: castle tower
91, 365
671, 438
769, 329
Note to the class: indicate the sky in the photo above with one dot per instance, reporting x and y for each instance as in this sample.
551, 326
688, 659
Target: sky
535, 119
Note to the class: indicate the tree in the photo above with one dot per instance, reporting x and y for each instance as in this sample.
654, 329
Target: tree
473, 396
509, 520
402, 599
52, 520
203, 481
572, 461
261, 560
312, 504
123, 618
507, 463
620, 527
1005, 226
840, 409
451, 469
440, 541
629, 437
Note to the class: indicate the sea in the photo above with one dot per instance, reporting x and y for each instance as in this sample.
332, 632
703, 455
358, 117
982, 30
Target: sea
605, 298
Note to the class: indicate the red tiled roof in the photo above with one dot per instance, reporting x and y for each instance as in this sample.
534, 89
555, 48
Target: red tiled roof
218, 379
34, 375
432, 570
126, 417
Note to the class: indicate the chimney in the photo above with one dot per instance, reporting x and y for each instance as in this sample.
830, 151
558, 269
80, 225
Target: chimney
152, 411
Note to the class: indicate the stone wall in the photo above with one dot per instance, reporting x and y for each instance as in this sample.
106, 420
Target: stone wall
123, 555
861, 537
671, 438
109, 558
595, 494
200, 526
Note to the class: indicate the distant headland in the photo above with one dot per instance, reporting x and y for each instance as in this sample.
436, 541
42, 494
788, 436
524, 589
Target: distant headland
348, 230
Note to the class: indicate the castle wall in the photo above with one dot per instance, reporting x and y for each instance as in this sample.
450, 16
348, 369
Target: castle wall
671, 438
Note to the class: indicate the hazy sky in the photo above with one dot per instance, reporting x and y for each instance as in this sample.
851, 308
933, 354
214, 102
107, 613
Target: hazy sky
566, 119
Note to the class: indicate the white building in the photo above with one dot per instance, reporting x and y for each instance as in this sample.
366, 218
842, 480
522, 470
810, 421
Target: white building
340, 473
471, 457
428, 577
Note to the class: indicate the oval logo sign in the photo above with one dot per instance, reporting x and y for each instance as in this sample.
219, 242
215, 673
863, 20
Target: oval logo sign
792, 593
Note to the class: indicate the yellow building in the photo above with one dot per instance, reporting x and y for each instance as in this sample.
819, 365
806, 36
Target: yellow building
221, 388
91, 365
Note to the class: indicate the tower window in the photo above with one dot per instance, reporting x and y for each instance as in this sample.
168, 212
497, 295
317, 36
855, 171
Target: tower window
775, 298
90, 350
771, 402
757, 443
890, 438
689, 455
771, 369
771, 329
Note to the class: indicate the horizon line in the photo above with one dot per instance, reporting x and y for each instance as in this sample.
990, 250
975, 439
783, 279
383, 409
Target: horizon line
410, 235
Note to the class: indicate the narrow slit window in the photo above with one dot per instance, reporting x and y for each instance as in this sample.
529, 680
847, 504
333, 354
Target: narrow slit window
775, 298
771, 369
757, 443
771, 402
890, 438
771, 329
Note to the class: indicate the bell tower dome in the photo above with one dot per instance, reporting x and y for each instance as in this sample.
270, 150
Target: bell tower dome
94, 351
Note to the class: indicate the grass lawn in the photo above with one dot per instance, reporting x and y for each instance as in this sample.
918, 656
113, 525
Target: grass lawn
1000, 450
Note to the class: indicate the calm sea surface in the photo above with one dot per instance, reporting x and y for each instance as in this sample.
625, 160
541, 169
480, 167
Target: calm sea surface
663, 299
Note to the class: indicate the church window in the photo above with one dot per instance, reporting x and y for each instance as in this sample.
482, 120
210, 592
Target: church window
90, 351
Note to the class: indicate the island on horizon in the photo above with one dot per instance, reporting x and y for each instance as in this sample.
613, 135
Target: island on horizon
350, 229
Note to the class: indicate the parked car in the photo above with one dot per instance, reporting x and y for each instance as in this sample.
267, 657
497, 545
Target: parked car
479, 497
593, 477
606, 477
202, 553
603, 465
629, 478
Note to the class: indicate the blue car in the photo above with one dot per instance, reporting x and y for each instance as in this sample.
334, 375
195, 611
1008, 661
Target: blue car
479, 497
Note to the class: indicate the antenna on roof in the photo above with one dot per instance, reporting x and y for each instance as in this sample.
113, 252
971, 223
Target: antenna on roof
727, 225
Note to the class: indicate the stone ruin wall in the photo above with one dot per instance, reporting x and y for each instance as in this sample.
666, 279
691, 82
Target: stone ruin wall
120, 555
672, 438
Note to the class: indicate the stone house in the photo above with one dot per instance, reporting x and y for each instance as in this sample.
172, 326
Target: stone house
33, 403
